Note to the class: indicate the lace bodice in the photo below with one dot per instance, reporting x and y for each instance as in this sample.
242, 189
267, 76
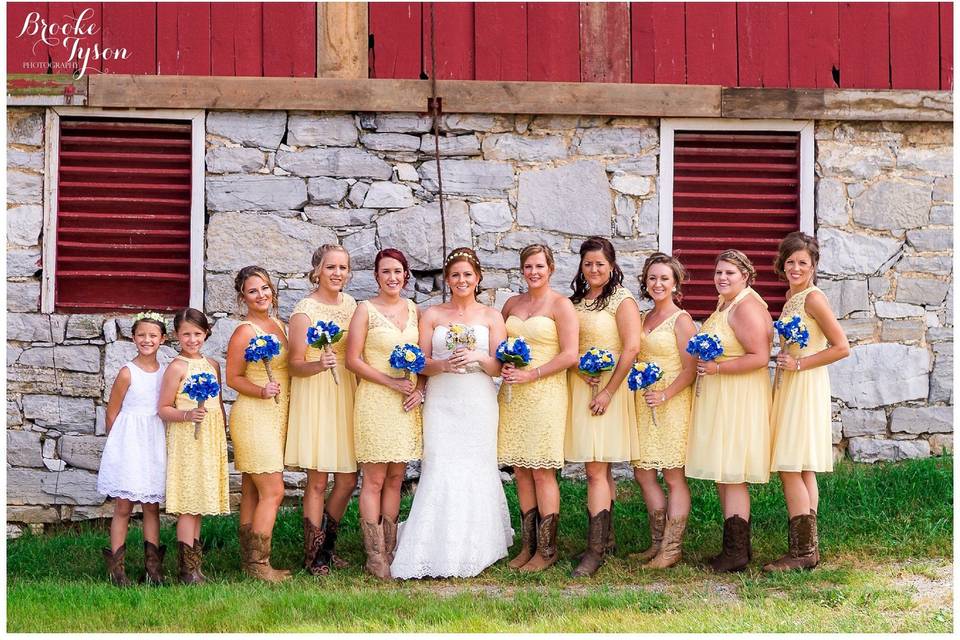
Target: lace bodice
184, 402
660, 345
598, 328
796, 306
144, 389
256, 372
383, 336
719, 323
339, 313
541, 335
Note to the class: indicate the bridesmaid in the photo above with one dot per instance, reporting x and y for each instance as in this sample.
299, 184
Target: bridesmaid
320, 435
601, 419
800, 420
532, 424
730, 425
664, 333
258, 421
386, 419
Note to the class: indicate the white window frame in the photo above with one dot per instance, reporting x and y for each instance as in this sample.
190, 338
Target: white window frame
50, 188
669, 126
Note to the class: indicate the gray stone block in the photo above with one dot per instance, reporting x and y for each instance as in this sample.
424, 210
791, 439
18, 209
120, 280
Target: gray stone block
36, 327
870, 450
614, 141
465, 122
73, 414
926, 160
235, 240
335, 162
881, 374
941, 214
557, 199
311, 130
72, 486
255, 193
847, 254
263, 129
893, 204
362, 246
905, 330
846, 296
898, 310
83, 452
235, 160
388, 195
84, 326
931, 239
336, 217
23, 296
24, 224
832, 203
941, 378
863, 422
23, 449
852, 159
470, 177
25, 127
467, 145
918, 420
322, 190
510, 146
414, 231
24, 188
941, 443
933, 265
643, 165
402, 123
491, 216
23, 262
390, 142
925, 291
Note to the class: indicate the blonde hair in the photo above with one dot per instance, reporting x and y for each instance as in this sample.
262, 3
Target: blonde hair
534, 249
740, 260
317, 261
253, 270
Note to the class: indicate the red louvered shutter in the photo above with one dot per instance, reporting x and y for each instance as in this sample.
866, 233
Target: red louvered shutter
733, 190
123, 215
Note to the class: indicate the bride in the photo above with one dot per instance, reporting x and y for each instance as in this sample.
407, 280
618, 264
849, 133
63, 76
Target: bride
459, 524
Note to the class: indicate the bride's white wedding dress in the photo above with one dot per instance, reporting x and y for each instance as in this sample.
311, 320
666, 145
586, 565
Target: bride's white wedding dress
459, 523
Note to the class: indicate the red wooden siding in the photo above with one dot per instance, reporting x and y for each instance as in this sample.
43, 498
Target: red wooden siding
290, 39
501, 38
454, 40
606, 27
236, 44
183, 38
553, 41
396, 33
762, 48
865, 45
711, 30
131, 26
814, 41
63, 12
123, 215
914, 45
25, 54
733, 190
946, 46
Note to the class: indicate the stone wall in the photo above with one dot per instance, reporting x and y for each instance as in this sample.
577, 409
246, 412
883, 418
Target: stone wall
279, 184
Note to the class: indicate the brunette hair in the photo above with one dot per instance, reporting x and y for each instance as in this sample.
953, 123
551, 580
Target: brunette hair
317, 261
193, 316
397, 255
153, 321
740, 261
464, 254
579, 283
793, 242
249, 272
679, 274
534, 249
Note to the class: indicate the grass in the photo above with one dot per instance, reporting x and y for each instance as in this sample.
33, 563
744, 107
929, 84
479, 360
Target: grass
886, 539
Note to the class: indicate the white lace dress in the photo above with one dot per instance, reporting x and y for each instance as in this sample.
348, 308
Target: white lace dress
459, 524
134, 461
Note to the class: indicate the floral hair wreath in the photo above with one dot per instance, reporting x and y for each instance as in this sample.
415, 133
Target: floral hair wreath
453, 257
149, 315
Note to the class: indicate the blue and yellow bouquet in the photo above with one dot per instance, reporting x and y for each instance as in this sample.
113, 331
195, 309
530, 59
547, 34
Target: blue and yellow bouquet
793, 331
514, 351
200, 387
263, 349
461, 336
643, 375
595, 362
706, 347
408, 358
321, 336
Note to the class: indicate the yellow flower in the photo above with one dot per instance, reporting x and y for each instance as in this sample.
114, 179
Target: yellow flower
409, 356
261, 342
510, 344
594, 351
637, 366
606, 357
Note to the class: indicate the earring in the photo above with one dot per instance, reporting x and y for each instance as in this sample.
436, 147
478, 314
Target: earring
674, 289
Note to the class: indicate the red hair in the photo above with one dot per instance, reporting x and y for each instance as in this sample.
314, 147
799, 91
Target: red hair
397, 255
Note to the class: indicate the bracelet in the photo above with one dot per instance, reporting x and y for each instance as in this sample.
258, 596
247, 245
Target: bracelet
185, 416
539, 375
718, 368
798, 364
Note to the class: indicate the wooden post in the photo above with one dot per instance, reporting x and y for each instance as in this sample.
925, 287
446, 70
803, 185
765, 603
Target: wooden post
342, 39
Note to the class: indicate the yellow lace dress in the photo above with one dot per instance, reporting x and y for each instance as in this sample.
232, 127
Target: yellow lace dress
612, 436
197, 479
800, 419
533, 423
258, 426
382, 430
663, 446
730, 425
320, 432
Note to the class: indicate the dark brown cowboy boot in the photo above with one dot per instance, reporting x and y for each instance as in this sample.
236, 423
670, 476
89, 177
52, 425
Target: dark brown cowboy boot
153, 563
801, 555
736, 553
610, 546
816, 536
376, 564
312, 542
115, 566
528, 538
546, 555
259, 560
658, 521
389, 538
596, 545
188, 563
330, 528
670, 552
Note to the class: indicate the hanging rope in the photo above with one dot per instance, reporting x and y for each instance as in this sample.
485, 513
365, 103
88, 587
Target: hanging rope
435, 108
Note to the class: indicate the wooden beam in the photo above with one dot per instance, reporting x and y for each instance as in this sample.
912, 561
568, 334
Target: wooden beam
25, 89
342, 40
838, 104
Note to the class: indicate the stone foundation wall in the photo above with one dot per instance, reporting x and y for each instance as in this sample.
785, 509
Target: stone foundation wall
279, 184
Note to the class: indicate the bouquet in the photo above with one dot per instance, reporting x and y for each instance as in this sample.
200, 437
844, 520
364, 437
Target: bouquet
516, 352
408, 358
321, 336
263, 349
705, 346
643, 375
460, 336
793, 331
594, 362
200, 387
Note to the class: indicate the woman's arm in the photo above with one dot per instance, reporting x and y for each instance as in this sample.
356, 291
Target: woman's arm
237, 366
818, 307
568, 329
169, 385
356, 336
297, 345
752, 325
117, 393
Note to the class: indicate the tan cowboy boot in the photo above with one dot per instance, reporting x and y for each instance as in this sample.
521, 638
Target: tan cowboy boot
188, 563
389, 538
670, 552
802, 546
258, 565
376, 564
528, 539
546, 555
658, 521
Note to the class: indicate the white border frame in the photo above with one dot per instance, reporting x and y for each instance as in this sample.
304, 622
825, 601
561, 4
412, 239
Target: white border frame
52, 170
668, 126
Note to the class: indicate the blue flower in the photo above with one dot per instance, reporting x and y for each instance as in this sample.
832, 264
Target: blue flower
706, 346
595, 361
408, 357
793, 331
642, 375
515, 351
323, 334
263, 347
201, 386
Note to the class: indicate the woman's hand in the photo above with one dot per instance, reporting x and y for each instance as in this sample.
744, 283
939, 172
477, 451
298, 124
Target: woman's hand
196, 415
654, 398
403, 386
414, 399
590, 380
270, 389
786, 362
328, 360
707, 367
518, 376
598, 406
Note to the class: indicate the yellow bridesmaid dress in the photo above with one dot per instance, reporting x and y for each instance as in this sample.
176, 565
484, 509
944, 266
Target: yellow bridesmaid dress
382, 430
532, 424
320, 432
730, 425
663, 446
197, 479
258, 426
800, 419
612, 436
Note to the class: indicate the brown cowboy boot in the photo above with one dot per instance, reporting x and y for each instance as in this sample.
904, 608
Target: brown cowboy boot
736, 553
546, 554
389, 538
658, 521
330, 528
802, 536
115, 566
611, 544
198, 546
596, 545
376, 564
816, 537
313, 538
670, 552
528, 538
188, 563
153, 563
243, 536
258, 565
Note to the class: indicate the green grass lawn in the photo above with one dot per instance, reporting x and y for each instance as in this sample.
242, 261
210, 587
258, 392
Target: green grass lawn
886, 536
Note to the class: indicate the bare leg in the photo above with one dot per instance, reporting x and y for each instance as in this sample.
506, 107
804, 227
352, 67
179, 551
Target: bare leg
248, 498
678, 501
526, 490
188, 528
313, 496
611, 483
390, 497
736, 501
374, 475
120, 523
813, 492
598, 487
151, 522
270, 491
795, 493
548, 491
653, 495
343, 486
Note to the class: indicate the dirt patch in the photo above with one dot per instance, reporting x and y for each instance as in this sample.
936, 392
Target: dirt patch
930, 583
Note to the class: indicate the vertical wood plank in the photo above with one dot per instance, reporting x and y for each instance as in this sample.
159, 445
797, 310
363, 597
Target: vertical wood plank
605, 34
289, 39
67, 13
814, 44
865, 45
553, 41
131, 26
342, 40
455, 40
762, 54
914, 45
396, 30
237, 38
26, 53
711, 30
669, 43
183, 38
501, 37
946, 46
641, 42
